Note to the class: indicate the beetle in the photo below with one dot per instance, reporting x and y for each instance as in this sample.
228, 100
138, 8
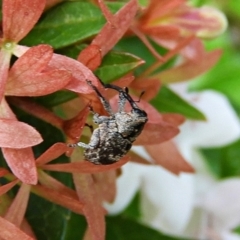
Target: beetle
115, 133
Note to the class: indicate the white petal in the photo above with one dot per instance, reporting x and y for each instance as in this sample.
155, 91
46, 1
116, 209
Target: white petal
230, 236
167, 200
127, 186
222, 126
224, 205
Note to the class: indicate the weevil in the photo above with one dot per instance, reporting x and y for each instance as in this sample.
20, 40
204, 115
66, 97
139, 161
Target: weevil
115, 133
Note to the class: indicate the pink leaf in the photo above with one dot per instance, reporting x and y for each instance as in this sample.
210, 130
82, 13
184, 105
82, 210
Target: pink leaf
19, 17
93, 210
79, 72
16, 134
9, 231
34, 60
110, 35
27, 78
16, 211
5, 111
22, 164
52, 153
168, 156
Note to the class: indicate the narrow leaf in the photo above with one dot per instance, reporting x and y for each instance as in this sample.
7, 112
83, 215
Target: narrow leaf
52, 183
58, 198
16, 211
93, 210
6, 187
84, 167
52, 153
4, 68
109, 35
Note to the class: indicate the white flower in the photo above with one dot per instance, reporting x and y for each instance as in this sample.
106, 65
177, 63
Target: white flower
169, 202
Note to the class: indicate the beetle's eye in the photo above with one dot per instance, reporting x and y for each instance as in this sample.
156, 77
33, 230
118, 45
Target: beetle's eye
139, 112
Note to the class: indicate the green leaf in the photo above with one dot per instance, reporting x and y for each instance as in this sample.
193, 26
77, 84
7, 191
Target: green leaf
68, 23
116, 65
56, 98
135, 46
123, 228
168, 101
224, 162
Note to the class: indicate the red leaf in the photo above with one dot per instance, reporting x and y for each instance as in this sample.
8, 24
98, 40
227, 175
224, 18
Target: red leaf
19, 17
91, 57
93, 210
22, 164
52, 153
56, 197
3, 172
168, 156
150, 87
154, 133
27, 79
16, 134
173, 118
137, 158
106, 184
9, 231
84, 166
197, 61
79, 72
74, 127
107, 14
16, 211
110, 35
5, 188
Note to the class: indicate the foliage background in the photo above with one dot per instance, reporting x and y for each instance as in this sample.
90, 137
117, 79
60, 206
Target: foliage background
50, 221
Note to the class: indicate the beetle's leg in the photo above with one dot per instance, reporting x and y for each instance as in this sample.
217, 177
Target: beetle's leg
104, 102
90, 127
92, 144
97, 118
